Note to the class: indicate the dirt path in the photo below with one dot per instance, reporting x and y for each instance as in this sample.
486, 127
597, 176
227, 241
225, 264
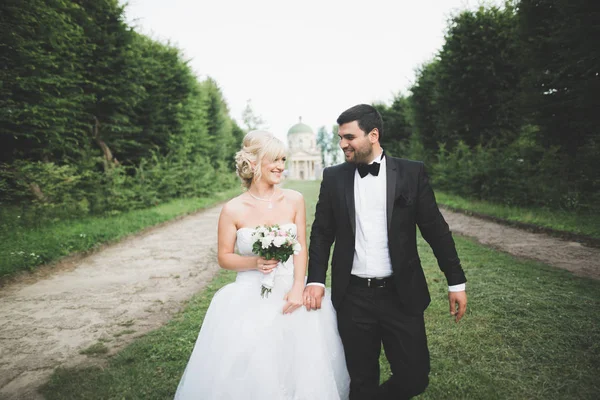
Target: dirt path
572, 256
135, 285
138, 284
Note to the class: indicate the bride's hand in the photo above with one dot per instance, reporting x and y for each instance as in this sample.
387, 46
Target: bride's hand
293, 299
265, 266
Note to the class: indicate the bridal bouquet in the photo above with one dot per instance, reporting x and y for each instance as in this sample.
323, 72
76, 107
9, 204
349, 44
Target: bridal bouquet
273, 243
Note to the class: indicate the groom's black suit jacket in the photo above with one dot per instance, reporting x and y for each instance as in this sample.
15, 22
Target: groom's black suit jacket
410, 203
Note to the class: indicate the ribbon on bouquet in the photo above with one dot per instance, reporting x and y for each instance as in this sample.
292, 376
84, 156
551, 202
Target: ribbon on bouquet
268, 281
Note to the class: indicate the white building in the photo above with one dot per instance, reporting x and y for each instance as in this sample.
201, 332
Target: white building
304, 156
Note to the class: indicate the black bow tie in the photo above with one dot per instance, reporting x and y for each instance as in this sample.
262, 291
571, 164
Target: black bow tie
365, 169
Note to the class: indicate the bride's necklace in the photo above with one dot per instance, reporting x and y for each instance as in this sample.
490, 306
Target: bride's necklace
269, 200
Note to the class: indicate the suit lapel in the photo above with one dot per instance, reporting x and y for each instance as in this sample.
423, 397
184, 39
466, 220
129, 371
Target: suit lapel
349, 192
392, 177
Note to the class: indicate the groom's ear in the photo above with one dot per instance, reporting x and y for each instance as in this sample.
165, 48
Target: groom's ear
374, 135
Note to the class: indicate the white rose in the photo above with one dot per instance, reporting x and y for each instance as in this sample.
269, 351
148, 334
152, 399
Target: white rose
297, 248
266, 242
279, 240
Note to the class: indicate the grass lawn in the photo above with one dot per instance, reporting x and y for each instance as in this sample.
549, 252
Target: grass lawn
586, 224
24, 248
531, 332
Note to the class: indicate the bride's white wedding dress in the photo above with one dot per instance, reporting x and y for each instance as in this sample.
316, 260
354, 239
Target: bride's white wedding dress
248, 349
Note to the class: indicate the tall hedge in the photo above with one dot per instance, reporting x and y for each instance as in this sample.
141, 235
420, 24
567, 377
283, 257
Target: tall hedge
508, 107
96, 117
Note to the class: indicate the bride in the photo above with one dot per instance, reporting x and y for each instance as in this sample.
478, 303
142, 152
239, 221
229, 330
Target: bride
270, 348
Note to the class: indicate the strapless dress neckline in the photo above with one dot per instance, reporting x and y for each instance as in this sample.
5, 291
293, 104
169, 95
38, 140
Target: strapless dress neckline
280, 225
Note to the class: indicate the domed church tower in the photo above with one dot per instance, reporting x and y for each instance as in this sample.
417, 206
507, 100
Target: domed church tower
304, 157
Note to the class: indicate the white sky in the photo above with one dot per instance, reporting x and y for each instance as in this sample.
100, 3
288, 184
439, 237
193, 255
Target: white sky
305, 58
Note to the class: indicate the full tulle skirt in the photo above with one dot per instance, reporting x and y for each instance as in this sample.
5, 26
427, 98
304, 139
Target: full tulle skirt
248, 349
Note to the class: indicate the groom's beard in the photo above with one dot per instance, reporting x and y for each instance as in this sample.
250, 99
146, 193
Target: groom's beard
363, 156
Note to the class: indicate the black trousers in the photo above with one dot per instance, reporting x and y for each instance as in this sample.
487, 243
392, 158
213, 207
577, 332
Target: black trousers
368, 317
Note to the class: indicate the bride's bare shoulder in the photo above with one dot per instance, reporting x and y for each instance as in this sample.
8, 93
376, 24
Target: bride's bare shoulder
292, 195
235, 206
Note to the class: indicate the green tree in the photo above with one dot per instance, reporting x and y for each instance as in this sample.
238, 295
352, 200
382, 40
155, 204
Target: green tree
41, 101
250, 119
324, 143
396, 126
335, 151
218, 123
563, 68
477, 78
97, 117
562, 83
425, 111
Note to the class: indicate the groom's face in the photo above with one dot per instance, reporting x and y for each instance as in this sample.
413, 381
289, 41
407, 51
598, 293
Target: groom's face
355, 143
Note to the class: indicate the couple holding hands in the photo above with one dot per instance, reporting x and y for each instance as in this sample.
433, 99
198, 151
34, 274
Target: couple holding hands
303, 342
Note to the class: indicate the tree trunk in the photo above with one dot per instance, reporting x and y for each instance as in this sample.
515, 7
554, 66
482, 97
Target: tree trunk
37, 192
109, 160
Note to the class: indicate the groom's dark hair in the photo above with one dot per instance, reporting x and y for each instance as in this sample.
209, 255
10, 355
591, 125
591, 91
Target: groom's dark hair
367, 116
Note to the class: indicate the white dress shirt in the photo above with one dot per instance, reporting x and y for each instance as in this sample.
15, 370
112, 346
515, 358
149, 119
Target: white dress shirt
371, 253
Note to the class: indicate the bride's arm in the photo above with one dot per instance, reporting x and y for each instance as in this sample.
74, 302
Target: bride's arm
294, 296
301, 258
227, 235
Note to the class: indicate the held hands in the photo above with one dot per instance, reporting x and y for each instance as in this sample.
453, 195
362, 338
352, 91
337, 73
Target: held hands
458, 304
313, 295
265, 266
293, 299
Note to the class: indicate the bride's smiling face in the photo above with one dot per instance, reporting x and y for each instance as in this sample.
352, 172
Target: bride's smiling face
272, 170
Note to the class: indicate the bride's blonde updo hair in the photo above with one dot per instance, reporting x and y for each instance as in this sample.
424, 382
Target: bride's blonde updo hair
255, 147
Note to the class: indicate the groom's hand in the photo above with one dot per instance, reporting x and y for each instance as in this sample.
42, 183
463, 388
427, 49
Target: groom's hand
458, 304
313, 295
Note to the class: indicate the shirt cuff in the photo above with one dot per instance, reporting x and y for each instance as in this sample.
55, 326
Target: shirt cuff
457, 288
320, 284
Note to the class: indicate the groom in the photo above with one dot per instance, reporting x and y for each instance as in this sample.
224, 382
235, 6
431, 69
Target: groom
370, 206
